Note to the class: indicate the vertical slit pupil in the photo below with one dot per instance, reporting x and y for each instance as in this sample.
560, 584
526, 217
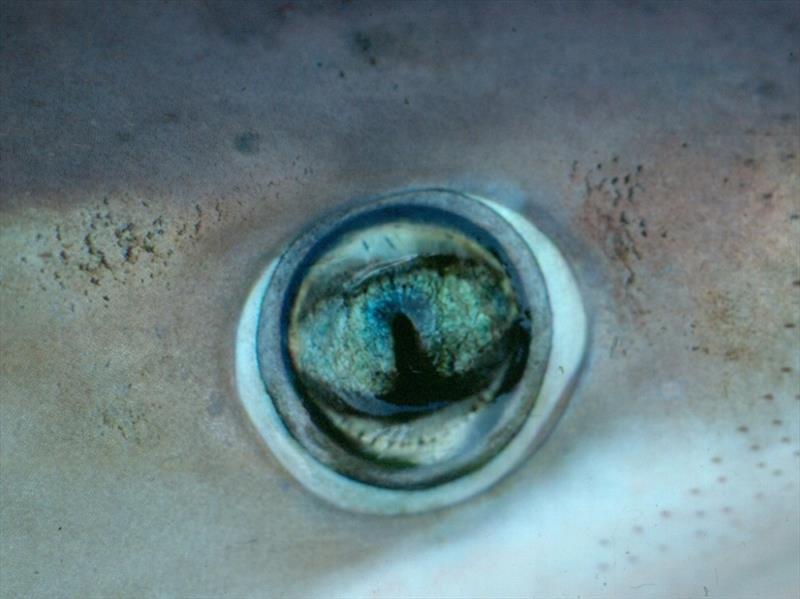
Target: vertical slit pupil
409, 356
416, 380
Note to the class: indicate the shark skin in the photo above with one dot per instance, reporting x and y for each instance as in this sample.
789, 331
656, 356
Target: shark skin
157, 156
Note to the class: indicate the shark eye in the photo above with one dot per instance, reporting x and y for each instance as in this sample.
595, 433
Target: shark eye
407, 339
399, 356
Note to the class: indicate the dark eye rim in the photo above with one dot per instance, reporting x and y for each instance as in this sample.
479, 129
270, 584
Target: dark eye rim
456, 210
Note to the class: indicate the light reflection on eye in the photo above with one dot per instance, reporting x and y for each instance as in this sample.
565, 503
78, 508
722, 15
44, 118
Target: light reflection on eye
400, 356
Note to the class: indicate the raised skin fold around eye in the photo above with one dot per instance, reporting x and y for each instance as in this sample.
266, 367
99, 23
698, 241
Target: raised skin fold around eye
407, 354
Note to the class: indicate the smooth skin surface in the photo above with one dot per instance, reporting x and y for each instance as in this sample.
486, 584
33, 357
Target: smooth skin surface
156, 155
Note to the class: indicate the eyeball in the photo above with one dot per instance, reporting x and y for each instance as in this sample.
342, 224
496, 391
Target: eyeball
407, 352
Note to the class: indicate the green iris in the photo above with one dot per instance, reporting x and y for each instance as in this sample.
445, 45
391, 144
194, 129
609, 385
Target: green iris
408, 337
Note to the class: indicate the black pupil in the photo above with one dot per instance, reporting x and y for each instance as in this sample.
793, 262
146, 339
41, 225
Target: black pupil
417, 383
418, 386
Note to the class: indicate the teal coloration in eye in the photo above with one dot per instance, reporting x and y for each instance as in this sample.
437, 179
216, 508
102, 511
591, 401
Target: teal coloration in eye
410, 337
402, 344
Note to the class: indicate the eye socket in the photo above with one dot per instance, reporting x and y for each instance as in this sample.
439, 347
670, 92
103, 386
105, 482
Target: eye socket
399, 356
406, 334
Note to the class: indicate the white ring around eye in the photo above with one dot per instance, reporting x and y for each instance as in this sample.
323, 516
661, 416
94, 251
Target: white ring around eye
569, 342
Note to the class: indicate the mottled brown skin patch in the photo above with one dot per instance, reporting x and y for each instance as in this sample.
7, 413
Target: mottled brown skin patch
612, 215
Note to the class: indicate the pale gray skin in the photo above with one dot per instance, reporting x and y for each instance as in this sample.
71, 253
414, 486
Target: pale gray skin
128, 466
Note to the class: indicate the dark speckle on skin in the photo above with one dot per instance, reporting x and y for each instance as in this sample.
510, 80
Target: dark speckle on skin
363, 42
767, 89
216, 404
247, 143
